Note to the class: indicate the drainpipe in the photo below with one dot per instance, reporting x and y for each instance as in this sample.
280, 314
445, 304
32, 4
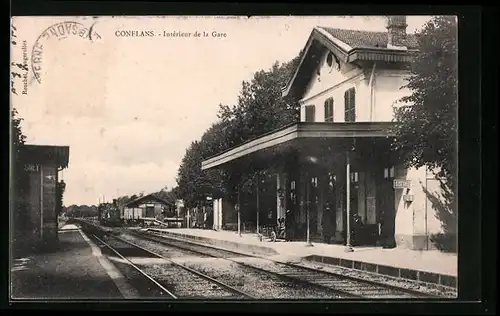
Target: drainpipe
371, 91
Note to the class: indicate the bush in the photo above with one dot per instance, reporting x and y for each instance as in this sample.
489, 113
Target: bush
445, 242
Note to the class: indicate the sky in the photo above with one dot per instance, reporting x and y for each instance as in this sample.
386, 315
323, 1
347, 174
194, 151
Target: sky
129, 106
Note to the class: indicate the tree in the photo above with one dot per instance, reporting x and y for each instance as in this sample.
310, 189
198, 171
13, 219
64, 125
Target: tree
122, 200
426, 133
193, 183
60, 188
167, 195
260, 109
82, 210
20, 180
427, 127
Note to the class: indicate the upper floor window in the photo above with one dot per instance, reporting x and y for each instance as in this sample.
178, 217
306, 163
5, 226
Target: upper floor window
389, 172
350, 105
310, 113
329, 110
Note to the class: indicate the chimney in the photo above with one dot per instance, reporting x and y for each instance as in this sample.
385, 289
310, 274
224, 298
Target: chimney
396, 31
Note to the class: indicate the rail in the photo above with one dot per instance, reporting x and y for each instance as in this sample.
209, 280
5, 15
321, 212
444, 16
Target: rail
161, 287
202, 275
290, 271
164, 240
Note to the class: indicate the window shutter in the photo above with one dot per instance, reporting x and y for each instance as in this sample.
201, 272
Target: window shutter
332, 111
326, 110
352, 102
310, 113
350, 105
329, 110
346, 106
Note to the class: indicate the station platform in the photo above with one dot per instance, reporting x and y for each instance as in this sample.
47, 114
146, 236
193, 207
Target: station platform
74, 270
430, 266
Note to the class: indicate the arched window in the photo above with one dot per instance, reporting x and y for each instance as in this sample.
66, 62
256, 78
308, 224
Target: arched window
350, 105
329, 110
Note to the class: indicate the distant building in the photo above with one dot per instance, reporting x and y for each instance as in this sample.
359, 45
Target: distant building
40, 223
148, 206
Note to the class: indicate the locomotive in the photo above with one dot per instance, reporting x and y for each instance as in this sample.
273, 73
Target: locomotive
109, 214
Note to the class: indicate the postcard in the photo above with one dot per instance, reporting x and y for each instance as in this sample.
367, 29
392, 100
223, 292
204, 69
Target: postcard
233, 158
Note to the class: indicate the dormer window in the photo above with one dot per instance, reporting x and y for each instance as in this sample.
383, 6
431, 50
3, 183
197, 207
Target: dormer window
329, 110
310, 113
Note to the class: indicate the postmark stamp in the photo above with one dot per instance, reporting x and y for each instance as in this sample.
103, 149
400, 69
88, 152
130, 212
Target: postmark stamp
59, 31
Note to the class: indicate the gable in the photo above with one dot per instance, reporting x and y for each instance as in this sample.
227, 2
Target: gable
366, 47
330, 72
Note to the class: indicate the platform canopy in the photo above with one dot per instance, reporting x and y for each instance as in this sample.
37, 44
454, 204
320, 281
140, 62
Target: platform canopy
307, 137
147, 199
46, 155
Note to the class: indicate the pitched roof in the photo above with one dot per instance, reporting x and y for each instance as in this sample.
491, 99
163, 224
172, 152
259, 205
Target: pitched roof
348, 46
367, 39
146, 198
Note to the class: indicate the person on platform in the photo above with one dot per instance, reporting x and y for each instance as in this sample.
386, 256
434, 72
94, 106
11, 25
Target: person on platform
356, 230
289, 232
328, 223
281, 228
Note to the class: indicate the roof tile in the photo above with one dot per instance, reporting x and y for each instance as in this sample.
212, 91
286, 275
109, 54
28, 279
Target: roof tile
367, 39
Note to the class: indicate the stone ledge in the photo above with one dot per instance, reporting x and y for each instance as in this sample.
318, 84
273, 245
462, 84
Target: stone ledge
403, 273
230, 245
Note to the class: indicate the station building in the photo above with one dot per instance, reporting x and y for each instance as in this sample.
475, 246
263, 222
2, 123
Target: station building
348, 83
36, 223
147, 207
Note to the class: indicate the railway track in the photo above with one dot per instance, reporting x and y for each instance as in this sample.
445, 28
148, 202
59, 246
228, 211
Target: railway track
167, 279
275, 285
342, 285
345, 286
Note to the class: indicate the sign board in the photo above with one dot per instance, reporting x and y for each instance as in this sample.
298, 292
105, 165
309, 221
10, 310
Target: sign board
31, 168
401, 184
408, 197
